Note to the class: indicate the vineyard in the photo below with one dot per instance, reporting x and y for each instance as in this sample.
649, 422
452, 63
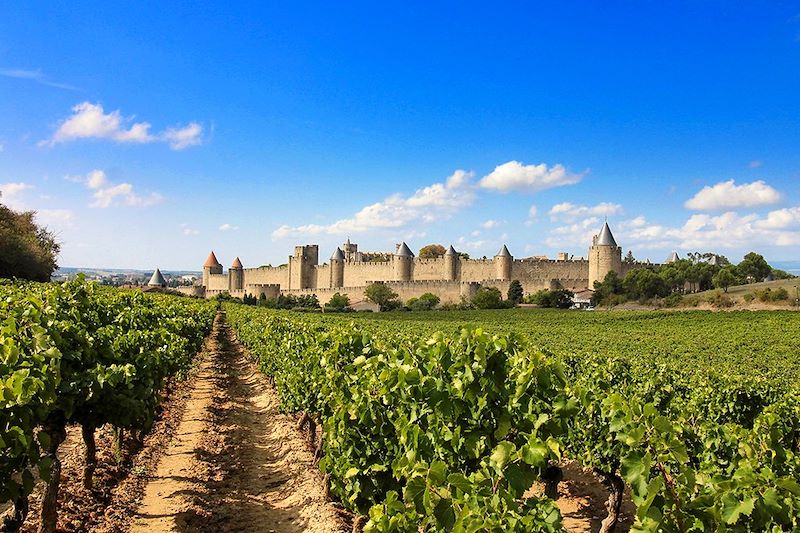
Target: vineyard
76, 354
697, 414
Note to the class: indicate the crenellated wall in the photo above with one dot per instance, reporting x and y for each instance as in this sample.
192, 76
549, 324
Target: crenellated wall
361, 274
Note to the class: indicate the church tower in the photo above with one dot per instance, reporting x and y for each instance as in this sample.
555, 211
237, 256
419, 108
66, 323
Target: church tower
604, 256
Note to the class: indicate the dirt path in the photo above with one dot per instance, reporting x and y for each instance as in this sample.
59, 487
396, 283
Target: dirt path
235, 463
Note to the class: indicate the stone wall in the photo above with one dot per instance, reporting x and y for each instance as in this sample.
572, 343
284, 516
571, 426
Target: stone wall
267, 275
217, 282
361, 274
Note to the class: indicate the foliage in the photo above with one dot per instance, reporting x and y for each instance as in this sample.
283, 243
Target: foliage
488, 298
515, 292
610, 286
725, 278
425, 431
77, 353
559, 298
27, 250
383, 295
643, 284
338, 302
754, 267
769, 295
432, 251
426, 302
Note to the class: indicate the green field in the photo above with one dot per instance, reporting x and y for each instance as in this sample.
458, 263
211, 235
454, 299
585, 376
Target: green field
733, 343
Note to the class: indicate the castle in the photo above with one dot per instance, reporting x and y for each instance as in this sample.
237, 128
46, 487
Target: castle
451, 277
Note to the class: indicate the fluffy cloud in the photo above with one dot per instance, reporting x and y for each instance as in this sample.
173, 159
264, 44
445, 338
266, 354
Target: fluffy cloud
90, 121
568, 211
228, 227
728, 195
107, 194
58, 218
10, 194
513, 175
434, 202
186, 229
489, 224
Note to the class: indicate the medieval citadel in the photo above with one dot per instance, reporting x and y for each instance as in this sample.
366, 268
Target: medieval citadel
451, 277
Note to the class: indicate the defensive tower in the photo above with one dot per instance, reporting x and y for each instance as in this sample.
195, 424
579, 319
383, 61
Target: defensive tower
502, 264
236, 276
211, 266
403, 262
337, 269
451, 264
301, 266
604, 256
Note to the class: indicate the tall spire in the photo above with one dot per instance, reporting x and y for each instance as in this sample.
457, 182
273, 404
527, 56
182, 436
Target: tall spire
606, 238
503, 252
405, 251
157, 279
338, 255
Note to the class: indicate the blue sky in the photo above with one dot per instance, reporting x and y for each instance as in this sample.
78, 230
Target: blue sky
147, 134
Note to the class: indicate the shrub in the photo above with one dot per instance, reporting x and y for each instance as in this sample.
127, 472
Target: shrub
559, 298
749, 297
382, 295
488, 298
426, 302
515, 292
337, 303
673, 300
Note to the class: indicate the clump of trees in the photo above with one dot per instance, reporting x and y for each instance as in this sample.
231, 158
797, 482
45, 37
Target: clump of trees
700, 272
431, 251
27, 250
557, 298
302, 302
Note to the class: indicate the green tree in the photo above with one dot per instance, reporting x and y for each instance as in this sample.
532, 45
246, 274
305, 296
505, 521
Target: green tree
488, 298
558, 298
610, 286
725, 278
382, 295
425, 302
629, 258
515, 292
27, 250
754, 267
338, 302
643, 283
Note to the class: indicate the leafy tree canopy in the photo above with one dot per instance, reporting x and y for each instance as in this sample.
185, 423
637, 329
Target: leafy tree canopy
27, 250
432, 250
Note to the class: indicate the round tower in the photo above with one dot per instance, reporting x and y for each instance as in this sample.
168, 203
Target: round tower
451, 264
403, 262
604, 256
211, 266
502, 264
337, 269
236, 276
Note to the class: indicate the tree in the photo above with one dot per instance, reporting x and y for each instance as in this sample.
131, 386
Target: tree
426, 302
643, 283
338, 302
725, 278
27, 250
382, 295
488, 298
610, 286
431, 251
515, 292
558, 298
629, 258
754, 267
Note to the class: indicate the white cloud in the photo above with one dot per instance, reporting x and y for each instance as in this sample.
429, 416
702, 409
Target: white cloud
34, 75
188, 230
58, 218
107, 194
90, 121
489, 224
533, 212
578, 234
728, 195
10, 190
180, 138
513, 175
434, 202
228, 227
567, 211
788, 217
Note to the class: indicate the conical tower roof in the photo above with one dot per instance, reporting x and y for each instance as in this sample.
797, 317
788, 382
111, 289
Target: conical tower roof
211, 261
157, 280
451, 251
503, 252
606, 238
338, 255
236, 263
673, 257
405, 251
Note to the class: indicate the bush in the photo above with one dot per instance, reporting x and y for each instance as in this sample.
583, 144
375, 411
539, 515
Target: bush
749, 297
719, 299
768, 295
426, 302
515, 292
337, 303
673, 300
559, 298
382, 295
488, 298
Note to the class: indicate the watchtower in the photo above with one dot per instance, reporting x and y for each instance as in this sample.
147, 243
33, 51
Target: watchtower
337, 269
451, 264
301, 266
211, 266
403, 262
502, 264
236, 276
604, 256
